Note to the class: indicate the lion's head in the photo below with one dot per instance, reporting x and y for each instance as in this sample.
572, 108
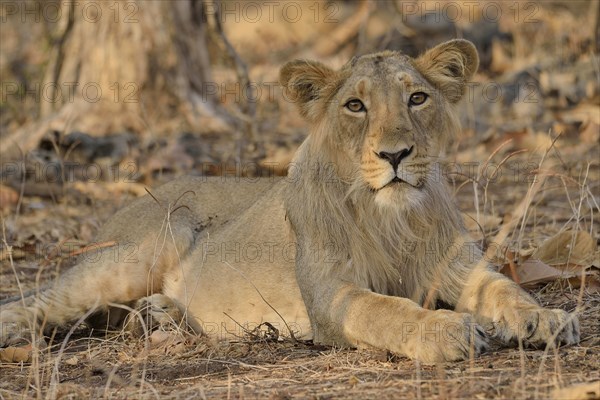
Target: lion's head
384, 118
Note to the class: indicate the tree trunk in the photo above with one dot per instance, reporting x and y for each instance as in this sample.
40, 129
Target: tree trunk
137, 66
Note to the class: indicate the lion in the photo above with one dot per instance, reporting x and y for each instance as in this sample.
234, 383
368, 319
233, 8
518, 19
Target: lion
352, 249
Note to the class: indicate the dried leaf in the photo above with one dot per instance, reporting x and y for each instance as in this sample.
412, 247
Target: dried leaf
533, 272
16, 354
567, 248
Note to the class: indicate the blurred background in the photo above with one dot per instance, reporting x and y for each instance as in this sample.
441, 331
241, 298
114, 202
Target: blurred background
173, 87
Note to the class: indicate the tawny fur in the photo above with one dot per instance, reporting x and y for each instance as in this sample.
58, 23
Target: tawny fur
336, 251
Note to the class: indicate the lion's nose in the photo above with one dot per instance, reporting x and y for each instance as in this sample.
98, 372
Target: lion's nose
395, 158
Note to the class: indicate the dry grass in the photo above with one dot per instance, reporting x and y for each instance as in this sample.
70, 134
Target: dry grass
110, 367
80, 363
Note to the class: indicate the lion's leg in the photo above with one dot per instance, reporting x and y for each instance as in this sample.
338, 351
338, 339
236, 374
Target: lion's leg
343, 313
400, 325
113, 275
493, 298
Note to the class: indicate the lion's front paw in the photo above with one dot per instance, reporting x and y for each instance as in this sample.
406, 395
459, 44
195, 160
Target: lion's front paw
446, 336
537, 327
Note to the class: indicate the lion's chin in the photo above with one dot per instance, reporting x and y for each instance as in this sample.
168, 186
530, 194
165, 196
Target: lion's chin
398, 196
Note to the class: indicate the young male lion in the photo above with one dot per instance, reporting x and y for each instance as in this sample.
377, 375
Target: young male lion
345, 249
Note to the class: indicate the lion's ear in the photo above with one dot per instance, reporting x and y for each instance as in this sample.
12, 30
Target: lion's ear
304, 83
449, 66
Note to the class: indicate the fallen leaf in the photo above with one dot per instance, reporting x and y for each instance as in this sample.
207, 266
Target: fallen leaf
16, 354
566, 249
533, 272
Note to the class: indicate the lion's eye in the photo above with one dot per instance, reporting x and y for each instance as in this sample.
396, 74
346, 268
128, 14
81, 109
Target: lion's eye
418, 98
355, 105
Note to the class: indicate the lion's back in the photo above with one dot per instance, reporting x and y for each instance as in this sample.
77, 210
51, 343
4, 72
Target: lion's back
194, 202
